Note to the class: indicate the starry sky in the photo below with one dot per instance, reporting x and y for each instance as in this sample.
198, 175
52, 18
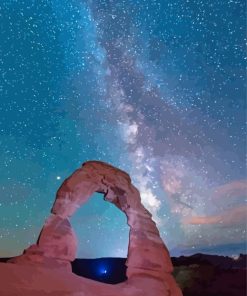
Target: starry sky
156, 88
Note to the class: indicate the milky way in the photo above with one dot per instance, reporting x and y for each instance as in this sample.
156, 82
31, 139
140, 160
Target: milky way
156, 88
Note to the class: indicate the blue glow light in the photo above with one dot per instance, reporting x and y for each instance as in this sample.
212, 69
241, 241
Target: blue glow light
103, 270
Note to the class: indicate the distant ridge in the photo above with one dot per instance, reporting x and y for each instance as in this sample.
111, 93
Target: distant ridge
226, 249
222, 262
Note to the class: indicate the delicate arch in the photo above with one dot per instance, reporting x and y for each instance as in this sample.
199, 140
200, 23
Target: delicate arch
56, 245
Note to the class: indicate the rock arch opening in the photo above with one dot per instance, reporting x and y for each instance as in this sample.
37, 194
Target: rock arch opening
103, 234
101, 229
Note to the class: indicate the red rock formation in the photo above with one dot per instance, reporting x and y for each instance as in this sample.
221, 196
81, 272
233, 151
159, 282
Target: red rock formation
148, 265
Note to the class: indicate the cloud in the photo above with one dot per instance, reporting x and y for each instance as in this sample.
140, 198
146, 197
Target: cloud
233, 217
233, 189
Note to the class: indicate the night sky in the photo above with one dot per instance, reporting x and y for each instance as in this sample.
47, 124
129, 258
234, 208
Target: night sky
156, 88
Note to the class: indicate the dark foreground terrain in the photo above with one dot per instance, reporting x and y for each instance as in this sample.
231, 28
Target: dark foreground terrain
197, 275
209, 275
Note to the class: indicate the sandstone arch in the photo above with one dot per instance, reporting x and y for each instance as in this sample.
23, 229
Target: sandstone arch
148, 264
